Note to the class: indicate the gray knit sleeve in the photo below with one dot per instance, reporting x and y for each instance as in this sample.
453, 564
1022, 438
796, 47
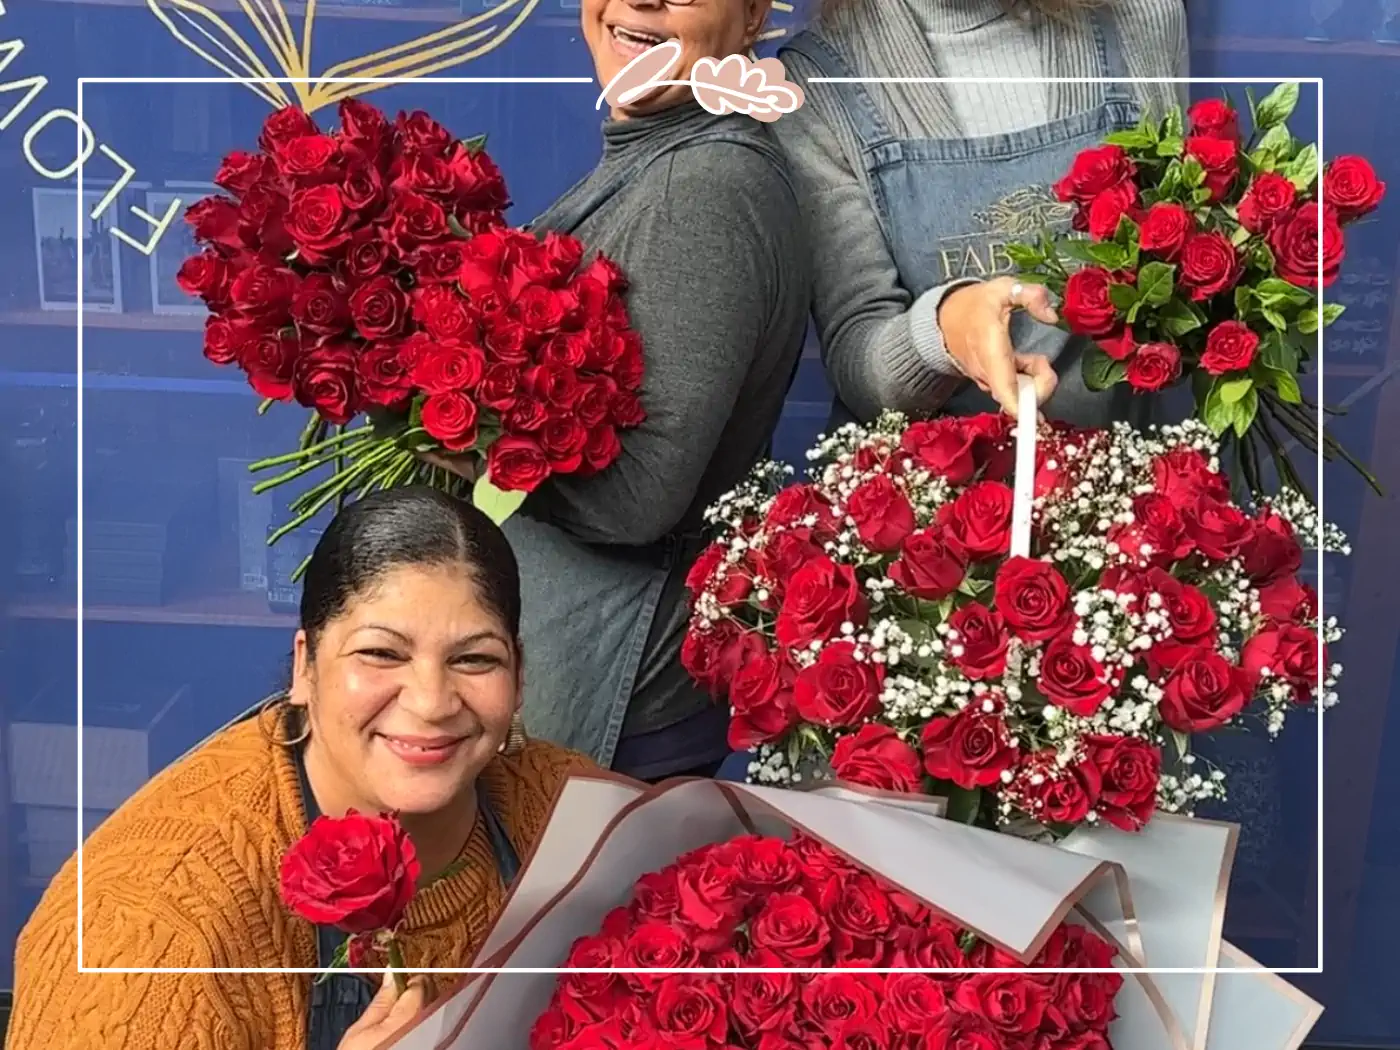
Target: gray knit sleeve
881, 346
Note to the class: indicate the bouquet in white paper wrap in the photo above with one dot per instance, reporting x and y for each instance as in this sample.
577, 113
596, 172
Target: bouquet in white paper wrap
1156, 897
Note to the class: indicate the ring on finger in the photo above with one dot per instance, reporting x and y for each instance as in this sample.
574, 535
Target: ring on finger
1014, 295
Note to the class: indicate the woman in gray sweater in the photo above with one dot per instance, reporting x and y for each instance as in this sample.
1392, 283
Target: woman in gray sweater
912, 190
698, 210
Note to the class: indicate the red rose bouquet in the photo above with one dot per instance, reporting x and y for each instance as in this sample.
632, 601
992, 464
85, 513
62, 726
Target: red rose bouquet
874, 622
1203, 259
369, 272
770, 903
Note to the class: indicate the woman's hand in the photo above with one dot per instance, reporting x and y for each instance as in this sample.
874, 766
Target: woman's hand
389, 1013
976, 324
464, 464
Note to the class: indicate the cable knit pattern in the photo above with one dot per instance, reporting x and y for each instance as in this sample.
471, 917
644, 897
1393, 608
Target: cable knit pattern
185, 875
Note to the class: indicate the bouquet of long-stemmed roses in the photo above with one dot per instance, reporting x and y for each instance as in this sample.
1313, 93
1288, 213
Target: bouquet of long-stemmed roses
1203, 259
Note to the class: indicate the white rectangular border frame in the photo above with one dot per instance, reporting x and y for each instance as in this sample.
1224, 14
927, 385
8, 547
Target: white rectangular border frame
80, 124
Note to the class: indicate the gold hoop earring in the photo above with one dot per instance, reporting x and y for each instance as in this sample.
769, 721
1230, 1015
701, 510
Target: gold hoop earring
515, 740
271, 706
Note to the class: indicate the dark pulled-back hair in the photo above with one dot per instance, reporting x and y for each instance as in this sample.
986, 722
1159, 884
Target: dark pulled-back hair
411, 526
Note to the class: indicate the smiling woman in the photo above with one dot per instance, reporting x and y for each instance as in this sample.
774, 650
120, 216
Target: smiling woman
404, 698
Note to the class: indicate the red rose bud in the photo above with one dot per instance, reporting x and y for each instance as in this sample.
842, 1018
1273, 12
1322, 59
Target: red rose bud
1109, 208
1033, 598
357, 873
1153, 367
1230, 347
326, 379
207, 275
477, 182
1270, 196
1087, 308
214, 220
820, 597
1204, 692
422, 134
883, 515
283, 125
361, 123
1288, 653
264, 293
450, 419
1130, 769
1219, 158
309, 159
362, 190
379, 307
838, 690
1073, 679
516, 464
320, 306
1214, 118
1094, 170
929, 568
1350, 185
970, 749
1053, 794
1210, 265
876, 757
240, 171
978, 642
270, 358
1297, 251
262, 220
1165, 228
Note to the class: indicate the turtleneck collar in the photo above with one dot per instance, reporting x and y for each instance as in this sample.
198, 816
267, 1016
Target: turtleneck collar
944, 17
622, 137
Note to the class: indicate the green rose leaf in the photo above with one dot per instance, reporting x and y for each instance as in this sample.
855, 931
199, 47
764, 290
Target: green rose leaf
1274, 318
1122, 296
963, 803
1240, 236
1275, 292
1025, 256
1192, 174
1330, 312
1108, 255
496, 504
1232, 390
1302, 169
1100, 370
1244, 299
1276, 143
1170, 146
1177, 318
1285, 385
1215, 413
1133, 138
1172, 125
1155, 283
1277, 106
1244, 411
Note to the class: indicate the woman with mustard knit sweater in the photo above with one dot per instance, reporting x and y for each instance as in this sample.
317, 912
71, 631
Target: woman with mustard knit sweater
405, 697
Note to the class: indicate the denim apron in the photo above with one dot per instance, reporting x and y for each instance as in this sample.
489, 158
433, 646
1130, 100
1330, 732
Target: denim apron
601, 624
947, 206
339, 1000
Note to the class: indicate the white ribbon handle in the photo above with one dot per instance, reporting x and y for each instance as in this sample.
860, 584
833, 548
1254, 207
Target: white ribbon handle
1026, 410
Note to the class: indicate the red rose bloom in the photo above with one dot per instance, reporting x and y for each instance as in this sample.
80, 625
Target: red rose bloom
1056, 795
516, 464
309, 158
764, 1002
820, 597
979, 520
319, 223
357, 873
1285, 600
1209, 264
971, 749
1072, 678
978, 648
1014, 1003
1350, 185
1297, 251
876, 757
1273, 552
1213, 118
1190, 616
415, 220
1153, 367
1109, 208
833, 1000
207, 275
1094, 170
327, 380
943, 446
1218, 529
1033, 598
1289, 653
215, 220
380, 308
239, 172
929, 567
1156, 535
790, 926
448, 368
1183, 474
1270, 196
1204, 692
1129, 769
264, 294
1165, 228
961, 1030
450, 419
838, 690
760, 694
319, 306
1230, 347
270, 357
1219, 158
224, 340
882, 513
283, 125
1087, 308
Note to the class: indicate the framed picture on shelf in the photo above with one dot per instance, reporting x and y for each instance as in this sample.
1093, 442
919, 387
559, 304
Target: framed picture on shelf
57, 237
174, 247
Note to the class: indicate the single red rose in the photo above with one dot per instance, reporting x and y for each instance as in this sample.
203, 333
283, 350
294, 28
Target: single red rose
607, 273
700, 654
450, 419
527, 416
1288, 653
1214, 118
262, 220
1220, 159
1109, 208
414, 221
1153, 367
367, 254
448, 368
1269, 197
838, 690
309, 159
928, 944
961, 1030
509, 343
790, 926
861, 917
820, 597
239, 172
1204, 692
1014, 1003
764, 1002
1165, 228
1119, 345
780, 559
978, 640
1054, 794
554, 385
439, 263
929, 567
912, 1002
562, 255
270, 358
264, 294
384, 378
703, 568
215, 220
563, 440
602, 449
1230, 347
224, 339
875, 756
320, 305
426, 173
1093, 171
882, 513
971, 749
477, 182
653, 945
516, 464
1129, 769
540, 310
1183, 474
943, 446
1350, 185
831, 1000
319, 223
656, 895
500, 387
1285, 600
444, 314
285, 124
420, 133
207, 275
709, 903
1033, 598
627, 369
1087, 308
1190, 617
1156, 535
765, 865
761, 696
357, 873
1210, 265
1073, 679
804, 506
1273, 551
979, 520
326, 379
379, 307
1297, 251
363, 125
1218, 529
573, 349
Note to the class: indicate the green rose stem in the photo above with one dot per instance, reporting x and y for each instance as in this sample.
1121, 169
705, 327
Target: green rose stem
396, 965
309, 435
299, 455
310, 504
336, 455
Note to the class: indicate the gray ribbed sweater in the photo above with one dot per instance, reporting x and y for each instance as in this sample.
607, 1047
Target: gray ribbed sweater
882, 347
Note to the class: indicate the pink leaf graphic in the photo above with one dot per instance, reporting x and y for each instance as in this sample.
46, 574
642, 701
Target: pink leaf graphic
737, 85
643, 74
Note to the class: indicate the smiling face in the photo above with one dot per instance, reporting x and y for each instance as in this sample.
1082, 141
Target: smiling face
617, 31
409, 691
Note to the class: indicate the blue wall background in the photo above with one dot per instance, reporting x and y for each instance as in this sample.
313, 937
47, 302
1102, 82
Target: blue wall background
187, 622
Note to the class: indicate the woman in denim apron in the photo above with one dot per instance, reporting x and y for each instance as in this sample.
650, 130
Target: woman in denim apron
938, 205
